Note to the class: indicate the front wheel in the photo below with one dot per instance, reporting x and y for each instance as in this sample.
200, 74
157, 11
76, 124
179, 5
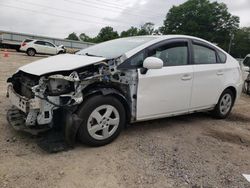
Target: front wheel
224, 105
103, 119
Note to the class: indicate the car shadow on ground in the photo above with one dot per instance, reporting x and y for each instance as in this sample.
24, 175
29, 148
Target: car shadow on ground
164, 124
170, 121
37, 55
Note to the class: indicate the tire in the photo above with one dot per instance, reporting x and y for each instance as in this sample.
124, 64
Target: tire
224, 105
31, 52
103, 119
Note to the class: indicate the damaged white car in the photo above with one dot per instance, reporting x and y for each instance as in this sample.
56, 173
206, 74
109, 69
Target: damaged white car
93, 94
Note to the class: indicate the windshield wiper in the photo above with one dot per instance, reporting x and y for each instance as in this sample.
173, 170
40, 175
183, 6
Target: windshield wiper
88, 54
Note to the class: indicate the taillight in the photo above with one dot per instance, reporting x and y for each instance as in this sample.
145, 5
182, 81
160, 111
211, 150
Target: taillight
23, 44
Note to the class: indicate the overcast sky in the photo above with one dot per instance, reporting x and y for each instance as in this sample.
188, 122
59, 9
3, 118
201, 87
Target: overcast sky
58, 18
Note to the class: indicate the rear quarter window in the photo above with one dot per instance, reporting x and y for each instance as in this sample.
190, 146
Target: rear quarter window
27, 40
222, 56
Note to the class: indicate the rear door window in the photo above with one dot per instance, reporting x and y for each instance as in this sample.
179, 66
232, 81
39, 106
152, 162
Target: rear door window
40, 43
204, 55
49, 44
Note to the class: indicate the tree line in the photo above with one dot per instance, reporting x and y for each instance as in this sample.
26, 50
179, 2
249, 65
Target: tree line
201, 18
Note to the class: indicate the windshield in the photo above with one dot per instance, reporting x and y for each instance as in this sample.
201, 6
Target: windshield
246, 61
115, 48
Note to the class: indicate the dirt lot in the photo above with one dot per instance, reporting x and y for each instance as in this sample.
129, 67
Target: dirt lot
187, 151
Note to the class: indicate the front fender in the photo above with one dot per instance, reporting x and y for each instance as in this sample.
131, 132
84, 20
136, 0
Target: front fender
110, 91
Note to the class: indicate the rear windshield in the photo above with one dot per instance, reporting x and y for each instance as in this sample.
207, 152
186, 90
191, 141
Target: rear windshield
115, 48
246, 61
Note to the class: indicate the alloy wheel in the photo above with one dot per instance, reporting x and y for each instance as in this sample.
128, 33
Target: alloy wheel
103, 122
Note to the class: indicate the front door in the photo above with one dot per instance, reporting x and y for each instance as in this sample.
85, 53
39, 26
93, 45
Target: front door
50, 48
166, 91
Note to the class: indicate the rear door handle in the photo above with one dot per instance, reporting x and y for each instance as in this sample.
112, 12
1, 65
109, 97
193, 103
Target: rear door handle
220, 72
186, 77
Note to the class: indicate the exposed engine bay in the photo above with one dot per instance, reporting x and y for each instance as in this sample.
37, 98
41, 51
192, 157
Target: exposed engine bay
50, 101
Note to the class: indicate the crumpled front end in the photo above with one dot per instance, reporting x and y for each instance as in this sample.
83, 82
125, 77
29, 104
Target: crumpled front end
36, 99
51, 101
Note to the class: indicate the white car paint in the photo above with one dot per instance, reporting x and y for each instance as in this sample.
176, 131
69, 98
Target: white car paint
208, 81
160, 96
49, 48
157, 63
63, 62
162, 92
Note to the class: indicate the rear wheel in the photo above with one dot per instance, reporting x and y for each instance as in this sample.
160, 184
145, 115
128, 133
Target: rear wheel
224, 105
103, 119
31, 52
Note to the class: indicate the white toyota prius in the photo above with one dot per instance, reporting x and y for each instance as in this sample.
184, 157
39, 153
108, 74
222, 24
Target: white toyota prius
93, 94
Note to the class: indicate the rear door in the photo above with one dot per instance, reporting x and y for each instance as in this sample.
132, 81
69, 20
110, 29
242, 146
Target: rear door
40, 47
209, 77
166, 91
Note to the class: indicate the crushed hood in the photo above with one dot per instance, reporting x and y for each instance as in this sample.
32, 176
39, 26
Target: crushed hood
64, 62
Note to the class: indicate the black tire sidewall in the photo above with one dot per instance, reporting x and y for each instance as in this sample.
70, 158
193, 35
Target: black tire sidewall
28, 52
88, 107
217, 113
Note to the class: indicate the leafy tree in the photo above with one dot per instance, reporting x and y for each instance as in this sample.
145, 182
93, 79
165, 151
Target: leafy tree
132, 31
72, 36
85, 38
105, 34
241, 43
202, 18
146, 29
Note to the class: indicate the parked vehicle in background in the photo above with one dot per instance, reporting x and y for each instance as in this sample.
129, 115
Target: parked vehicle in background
13, 40
246, 75
32, 47
93, 94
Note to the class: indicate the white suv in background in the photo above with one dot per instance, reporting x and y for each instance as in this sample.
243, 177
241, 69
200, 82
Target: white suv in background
32, 47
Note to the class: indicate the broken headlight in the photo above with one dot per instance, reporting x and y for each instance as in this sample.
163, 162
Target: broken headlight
59, 87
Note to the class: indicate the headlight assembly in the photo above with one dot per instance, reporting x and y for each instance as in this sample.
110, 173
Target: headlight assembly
59, 86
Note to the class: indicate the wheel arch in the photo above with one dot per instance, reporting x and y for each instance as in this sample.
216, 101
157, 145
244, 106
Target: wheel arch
231, 88
31, 48
107, 90
234, 91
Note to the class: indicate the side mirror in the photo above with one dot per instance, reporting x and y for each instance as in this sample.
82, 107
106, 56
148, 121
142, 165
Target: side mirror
152, 63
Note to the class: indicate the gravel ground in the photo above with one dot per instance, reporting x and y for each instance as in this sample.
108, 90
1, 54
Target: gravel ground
187, 151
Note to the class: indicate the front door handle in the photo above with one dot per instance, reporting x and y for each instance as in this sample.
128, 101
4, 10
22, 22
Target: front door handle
220, 72
186, 77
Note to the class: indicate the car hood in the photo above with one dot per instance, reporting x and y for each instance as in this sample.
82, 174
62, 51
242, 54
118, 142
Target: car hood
64, 62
